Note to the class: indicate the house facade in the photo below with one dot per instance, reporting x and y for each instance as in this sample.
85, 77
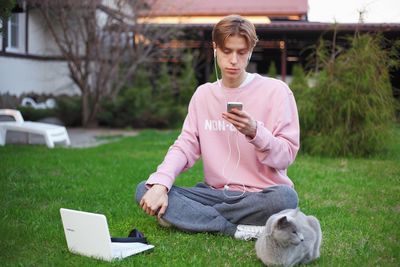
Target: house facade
29, 58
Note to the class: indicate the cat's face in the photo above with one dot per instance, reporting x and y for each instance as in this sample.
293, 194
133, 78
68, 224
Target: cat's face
286, 233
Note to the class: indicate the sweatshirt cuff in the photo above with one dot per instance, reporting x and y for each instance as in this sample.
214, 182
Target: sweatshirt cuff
262, 139
160, 178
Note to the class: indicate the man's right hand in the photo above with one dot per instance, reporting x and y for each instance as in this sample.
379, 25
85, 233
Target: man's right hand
155, 200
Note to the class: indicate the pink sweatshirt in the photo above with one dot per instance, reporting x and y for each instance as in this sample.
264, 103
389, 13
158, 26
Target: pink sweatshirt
228, 156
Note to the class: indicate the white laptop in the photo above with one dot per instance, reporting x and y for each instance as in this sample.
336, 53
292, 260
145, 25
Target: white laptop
87, 234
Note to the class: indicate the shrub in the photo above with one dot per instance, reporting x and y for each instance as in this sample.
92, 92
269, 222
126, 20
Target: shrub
305, 99
272, 72
31, 114
187, 82
69, 110
156, 99
133, 107
352, 102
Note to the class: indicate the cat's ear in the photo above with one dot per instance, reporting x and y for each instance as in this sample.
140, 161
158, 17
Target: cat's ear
283, 223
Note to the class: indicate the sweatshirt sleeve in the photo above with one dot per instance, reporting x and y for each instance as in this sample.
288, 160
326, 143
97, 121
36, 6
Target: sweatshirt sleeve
278, 147
182, 155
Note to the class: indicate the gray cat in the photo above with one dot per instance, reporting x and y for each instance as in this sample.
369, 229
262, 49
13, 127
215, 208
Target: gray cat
290, 237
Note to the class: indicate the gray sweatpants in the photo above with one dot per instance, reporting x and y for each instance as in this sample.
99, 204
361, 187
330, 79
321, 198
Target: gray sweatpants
204, 209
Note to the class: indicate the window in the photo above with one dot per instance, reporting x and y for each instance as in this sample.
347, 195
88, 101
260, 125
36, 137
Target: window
15, 39
14, 31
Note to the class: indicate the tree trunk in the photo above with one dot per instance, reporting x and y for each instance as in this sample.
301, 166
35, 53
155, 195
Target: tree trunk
92, 122
89, 111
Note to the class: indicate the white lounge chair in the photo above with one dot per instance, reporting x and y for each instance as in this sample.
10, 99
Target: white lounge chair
52, 133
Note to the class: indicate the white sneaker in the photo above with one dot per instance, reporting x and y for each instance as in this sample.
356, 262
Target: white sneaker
248, 232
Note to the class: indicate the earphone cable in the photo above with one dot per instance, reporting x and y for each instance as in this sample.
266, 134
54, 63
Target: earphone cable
226, 187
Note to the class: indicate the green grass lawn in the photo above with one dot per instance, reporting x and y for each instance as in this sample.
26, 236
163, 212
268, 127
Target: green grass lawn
356, 200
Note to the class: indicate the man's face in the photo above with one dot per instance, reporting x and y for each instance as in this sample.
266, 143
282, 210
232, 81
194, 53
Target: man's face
233, 58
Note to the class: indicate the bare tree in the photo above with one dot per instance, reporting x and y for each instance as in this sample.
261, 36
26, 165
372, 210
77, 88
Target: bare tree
103, 43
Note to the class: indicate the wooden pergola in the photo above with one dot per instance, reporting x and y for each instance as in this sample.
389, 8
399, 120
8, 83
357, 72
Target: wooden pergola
283, 29
283, 42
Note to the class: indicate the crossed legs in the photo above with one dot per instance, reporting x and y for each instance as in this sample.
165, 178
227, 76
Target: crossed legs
203, 209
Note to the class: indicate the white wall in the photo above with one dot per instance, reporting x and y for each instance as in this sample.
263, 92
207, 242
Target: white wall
40, 40
22, 75
19, 75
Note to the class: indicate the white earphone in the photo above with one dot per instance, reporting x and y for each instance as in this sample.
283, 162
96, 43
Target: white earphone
226, 186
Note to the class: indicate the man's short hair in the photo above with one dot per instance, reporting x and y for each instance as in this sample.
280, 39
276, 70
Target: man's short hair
234, 25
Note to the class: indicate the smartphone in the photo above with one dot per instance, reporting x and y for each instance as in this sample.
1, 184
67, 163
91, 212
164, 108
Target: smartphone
232, 105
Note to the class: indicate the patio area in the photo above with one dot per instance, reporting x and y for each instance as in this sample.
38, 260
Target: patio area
80, 137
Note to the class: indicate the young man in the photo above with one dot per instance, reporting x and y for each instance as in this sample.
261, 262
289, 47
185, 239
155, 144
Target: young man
245, 152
